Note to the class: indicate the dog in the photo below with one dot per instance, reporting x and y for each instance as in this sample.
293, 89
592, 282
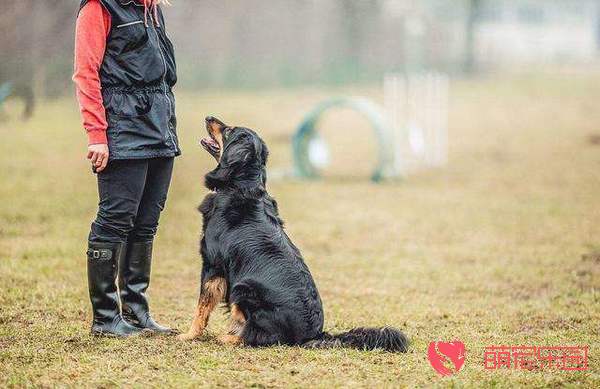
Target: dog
250, 263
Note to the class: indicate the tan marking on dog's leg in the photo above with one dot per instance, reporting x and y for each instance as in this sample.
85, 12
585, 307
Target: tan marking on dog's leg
212, 294
236, 326
237, 315
232, 340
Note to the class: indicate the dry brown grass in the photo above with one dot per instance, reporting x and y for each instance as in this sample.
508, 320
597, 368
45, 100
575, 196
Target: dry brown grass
499, 248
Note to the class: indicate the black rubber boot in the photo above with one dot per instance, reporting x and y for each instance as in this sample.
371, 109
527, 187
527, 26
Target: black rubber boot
102, 276
134, 278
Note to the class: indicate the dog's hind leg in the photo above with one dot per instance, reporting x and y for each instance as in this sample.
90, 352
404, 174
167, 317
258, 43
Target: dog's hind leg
256, 336
236, 326
212, 293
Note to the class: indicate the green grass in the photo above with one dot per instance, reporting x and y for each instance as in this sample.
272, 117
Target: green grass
500, 247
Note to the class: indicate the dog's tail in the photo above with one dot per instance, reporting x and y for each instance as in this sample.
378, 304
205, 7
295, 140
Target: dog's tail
386, 338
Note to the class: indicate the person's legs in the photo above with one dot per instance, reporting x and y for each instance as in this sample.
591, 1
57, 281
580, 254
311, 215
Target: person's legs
120, 188
153, 199
134, 268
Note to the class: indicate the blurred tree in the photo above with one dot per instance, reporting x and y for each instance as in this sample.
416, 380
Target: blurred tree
598, 25
357, 19
35, 37
473, 7
16, 48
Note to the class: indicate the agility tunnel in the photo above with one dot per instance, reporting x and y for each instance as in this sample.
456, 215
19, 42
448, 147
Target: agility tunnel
305, 148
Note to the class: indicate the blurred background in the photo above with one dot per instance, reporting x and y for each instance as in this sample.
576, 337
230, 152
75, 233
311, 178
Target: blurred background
399, 54
252, 44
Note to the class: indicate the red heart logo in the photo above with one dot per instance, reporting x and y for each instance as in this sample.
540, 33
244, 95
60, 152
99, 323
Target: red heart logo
441, 353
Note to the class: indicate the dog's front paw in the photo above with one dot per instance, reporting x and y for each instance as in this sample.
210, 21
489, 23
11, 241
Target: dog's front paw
187, 336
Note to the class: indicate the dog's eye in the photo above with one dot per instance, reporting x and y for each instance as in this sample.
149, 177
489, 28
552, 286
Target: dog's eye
227, 132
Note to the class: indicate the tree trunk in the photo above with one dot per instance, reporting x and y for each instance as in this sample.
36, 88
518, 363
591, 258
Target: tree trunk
469, 65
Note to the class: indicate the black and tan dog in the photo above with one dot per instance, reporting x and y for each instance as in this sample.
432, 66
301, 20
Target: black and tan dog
251, 264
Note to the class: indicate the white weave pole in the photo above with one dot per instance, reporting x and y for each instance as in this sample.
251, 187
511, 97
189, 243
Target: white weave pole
417, 109
443, 113
395, 106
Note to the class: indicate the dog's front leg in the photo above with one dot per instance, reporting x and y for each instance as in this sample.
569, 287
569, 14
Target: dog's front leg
212, 293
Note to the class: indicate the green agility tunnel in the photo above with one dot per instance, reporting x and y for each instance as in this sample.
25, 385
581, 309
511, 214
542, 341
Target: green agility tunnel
306, 133
5, 91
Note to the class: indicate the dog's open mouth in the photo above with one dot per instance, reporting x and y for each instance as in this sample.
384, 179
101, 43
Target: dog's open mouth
213, 143
211, 146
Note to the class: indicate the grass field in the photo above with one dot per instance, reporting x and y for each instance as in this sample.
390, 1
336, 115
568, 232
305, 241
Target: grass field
500, 248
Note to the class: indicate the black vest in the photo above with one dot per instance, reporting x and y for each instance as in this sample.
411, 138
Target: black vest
137, 74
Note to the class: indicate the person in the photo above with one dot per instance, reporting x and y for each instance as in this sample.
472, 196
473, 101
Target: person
124, 71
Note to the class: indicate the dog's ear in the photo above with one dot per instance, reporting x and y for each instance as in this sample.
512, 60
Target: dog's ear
260, 148
239, 154
264, 153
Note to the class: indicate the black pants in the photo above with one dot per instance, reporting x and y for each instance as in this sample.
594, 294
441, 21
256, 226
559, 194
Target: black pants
132, 193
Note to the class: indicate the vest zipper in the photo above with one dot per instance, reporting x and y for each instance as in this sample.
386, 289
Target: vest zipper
164, 81
130, 24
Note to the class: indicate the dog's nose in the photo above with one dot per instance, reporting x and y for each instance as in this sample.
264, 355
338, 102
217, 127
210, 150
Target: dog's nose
209, 119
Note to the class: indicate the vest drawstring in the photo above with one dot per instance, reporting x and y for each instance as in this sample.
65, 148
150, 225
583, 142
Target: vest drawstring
155, 8
152, 11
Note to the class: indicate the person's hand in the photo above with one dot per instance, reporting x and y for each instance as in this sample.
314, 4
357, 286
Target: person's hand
98, 156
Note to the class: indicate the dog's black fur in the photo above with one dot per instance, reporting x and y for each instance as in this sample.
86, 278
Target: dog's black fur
245, 243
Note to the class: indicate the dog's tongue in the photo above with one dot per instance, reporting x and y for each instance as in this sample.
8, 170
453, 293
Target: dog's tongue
210, 141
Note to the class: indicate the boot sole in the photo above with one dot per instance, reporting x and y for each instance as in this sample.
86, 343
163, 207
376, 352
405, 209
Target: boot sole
100, 334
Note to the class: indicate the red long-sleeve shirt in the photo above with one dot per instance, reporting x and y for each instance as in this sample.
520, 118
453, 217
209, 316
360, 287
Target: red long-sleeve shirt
93, 27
